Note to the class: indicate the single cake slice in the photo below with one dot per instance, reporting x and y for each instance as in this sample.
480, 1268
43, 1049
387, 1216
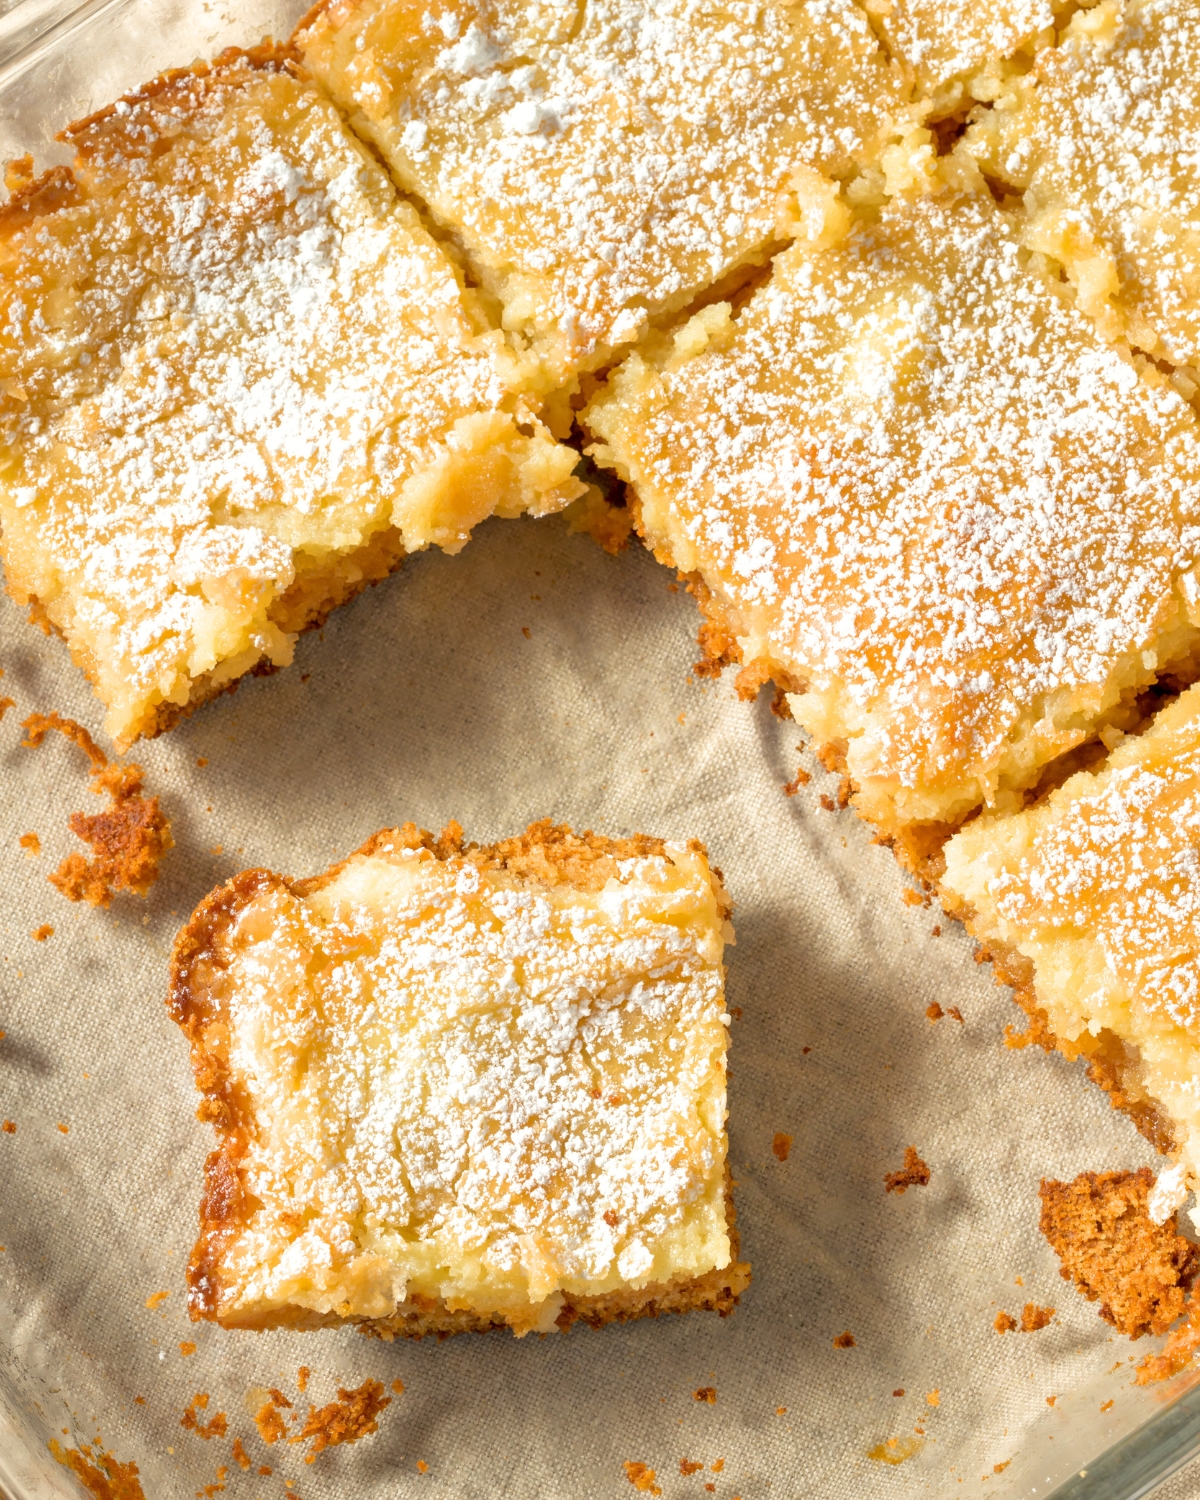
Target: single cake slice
602, 164
1090, 902
458, 1087
238, 380
1103, 138
922, 494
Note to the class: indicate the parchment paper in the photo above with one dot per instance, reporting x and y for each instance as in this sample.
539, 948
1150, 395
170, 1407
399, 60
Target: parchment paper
426, 700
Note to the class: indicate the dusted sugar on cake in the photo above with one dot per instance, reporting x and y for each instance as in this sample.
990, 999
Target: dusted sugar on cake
921, 492
238, 379
460, 1087
944, 42
1094, 892
602, 164
1103, 139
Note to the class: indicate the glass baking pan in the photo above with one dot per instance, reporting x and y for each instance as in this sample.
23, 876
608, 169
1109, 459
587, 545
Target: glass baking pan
409, 714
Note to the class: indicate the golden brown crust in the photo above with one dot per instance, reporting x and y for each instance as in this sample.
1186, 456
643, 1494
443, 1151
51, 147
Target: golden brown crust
1099, 1225
1111, 1063
545, 854
177, 88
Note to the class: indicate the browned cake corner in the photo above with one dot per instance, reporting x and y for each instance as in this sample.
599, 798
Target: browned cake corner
578, 871
1100, 1227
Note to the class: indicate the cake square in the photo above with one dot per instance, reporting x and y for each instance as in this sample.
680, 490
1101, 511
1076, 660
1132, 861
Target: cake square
460, 1087
918, 490
1089, 900
1102, 137
238, 380
602, 165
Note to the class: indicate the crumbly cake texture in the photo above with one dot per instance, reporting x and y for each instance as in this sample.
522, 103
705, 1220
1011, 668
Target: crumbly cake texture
602, 165
459, 1087
1094, 890
1109, 190
128, 841
238, 380
1100, 1227
918, 490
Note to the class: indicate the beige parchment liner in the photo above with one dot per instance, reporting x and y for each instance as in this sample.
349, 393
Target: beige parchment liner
426, 700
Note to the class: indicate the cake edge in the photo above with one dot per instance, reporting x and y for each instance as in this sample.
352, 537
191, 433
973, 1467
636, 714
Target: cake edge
224, 1207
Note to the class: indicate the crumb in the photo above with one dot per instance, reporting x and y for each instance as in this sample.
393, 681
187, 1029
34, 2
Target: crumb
202, 761
40, 934
422, 1466
1018, 1281
216, 1427
266, 1470
707, 1393
899, 1391
9, 1127
936, 931
1106, 1406
352, 1416
1178, 1351
804, 1051
686, 1467
717, 1465
933, 1011
525, 633
801, 778
896, 1450
844, 1340
64, 1129
186, 1348
1005, 1322
781, 1411
1000, 1468
6, 704
934, 1398
129, 840
153, 1300
912, 898
914, 1173
1034, 1317
398, 1387
954, 1011
611, 1217
302, 1375
30, 843
1050, 1400
711, 1488
241, 1457
271, 1425
137, 1400
641, 1476
102, 1475
827, 802
1100, 1227
781, 1144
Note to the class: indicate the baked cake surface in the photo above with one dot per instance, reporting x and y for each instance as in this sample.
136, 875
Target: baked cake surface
603, 164
946, 41
925, 496
1103, 139
458, 1087
237, 379
1097, 887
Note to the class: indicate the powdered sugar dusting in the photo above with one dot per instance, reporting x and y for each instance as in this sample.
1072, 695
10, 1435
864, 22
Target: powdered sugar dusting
472, 1086
1104, 136
221, 355
605, 161
923, 486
